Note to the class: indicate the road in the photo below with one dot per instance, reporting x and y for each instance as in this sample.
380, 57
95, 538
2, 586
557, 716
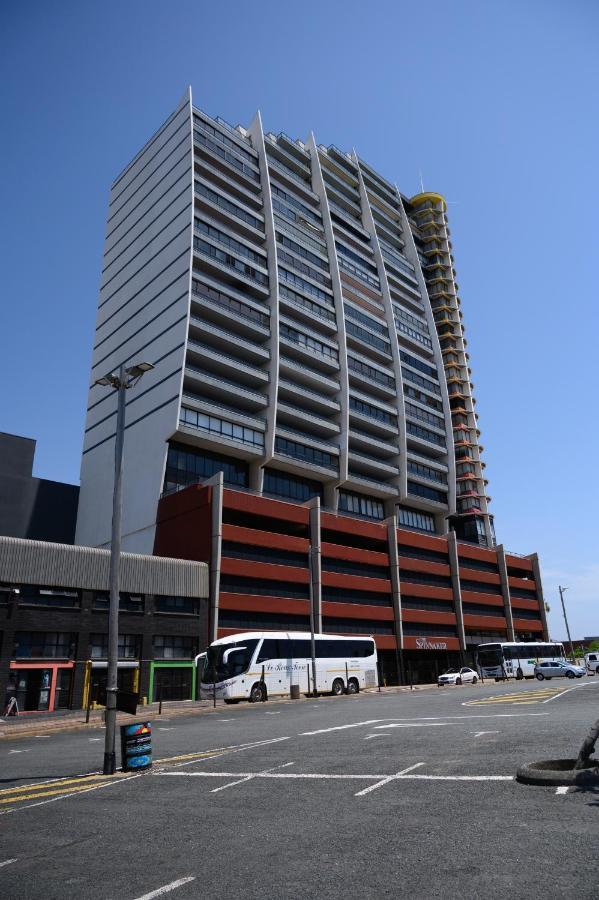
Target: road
365, 796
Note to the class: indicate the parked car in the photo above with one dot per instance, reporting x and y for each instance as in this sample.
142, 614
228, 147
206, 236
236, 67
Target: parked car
458, 676
591, 661
557, 670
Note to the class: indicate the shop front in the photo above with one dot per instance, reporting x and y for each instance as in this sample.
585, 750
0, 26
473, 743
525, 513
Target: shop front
425, 658
40, 686
94, 686
172, 680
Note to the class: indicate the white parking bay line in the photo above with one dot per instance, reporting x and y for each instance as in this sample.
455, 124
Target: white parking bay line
167, 888
224, 787
563, 789
340, 727
415, 724
379, 784
567, 691
8, 862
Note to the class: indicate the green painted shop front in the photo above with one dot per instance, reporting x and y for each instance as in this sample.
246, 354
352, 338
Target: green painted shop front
172, 680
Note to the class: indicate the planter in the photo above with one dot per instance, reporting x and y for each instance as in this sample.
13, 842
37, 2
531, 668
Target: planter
559, 772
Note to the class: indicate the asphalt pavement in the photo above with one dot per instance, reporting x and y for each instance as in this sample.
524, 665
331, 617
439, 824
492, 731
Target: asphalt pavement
368, 796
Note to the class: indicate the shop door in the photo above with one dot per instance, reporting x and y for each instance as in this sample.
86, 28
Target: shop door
125, 680
62, 698
172, 683
33, 689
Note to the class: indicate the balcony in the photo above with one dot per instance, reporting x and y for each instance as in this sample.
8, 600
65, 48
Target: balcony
303, 374
221, 339
363, 463
235, 314
290, 417
224, 363
361, 441
218, 387
290, 391
374, 487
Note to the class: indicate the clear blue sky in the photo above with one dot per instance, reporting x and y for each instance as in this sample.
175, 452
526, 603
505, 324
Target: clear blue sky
495, 103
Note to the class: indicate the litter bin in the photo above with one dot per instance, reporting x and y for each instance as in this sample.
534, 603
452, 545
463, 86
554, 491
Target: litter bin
295, 691
136, 746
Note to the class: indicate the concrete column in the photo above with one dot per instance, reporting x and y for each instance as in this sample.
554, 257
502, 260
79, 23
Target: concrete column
505, 590
454, 567
536, 568
217, 485
315, 562
391, 523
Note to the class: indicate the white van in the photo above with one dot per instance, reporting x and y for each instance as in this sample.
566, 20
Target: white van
591, 662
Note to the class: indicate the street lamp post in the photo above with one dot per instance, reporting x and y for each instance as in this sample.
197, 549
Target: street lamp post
562, 591
121, 382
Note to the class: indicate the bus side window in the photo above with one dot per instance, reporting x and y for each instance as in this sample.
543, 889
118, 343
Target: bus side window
300, 649
269, 650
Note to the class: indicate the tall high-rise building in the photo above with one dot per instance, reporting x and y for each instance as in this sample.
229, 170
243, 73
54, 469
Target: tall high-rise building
304, 323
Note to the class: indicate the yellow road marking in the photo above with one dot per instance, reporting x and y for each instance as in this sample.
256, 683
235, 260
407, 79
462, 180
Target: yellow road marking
58, 783
523, 698
38, 794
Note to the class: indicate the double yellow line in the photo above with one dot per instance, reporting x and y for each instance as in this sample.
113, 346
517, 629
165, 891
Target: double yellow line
53, 788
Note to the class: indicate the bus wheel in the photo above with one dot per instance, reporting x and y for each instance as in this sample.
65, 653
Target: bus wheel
257, 693
519, 674
338, 687
352, 686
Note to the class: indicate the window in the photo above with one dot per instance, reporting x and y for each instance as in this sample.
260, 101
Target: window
427, 472
129, 646
373, 324
419, 364
310, 343
373, 412
357, 626
411, 518
297, 300
408, 375
174, 646
481, 586
367, 337
422, 553
431, 436
180, 606
44, 645
364, 263
303, 267
415, 394
481, 609
221, 427
31, 595
301, 251
229, 303
225, 204
127, 602
228, 157
422, 490
355, 365
420, 629
239, 584
292, 201
303, 285
444, 606
220, 237
229, 618
223, 139
361, 505
358, 272
443, 581
186, 466
424, 415
350, 595
282, 484
308, 454
228, 260
415, 335
233, 550
348, 567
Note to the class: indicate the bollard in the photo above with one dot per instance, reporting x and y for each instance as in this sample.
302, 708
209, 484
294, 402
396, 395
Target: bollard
160, 701
410, 677
89, 705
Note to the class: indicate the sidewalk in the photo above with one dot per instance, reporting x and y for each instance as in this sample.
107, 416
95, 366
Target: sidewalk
35, 723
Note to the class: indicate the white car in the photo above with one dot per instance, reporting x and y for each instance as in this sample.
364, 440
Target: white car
458, 676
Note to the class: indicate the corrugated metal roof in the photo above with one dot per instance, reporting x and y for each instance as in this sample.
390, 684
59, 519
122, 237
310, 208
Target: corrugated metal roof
63, 565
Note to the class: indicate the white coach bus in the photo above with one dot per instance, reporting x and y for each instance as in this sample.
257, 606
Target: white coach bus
516, 660
255, 665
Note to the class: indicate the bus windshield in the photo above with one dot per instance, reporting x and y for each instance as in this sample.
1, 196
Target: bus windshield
227, 660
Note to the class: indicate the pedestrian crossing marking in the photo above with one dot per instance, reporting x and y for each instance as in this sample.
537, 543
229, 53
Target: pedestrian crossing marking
522, 698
